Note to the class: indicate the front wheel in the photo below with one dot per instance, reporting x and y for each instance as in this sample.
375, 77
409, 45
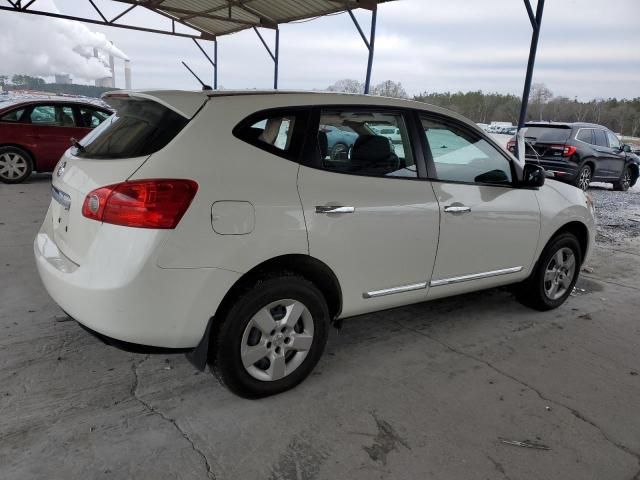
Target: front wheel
583, 179
272, 337
554, 276
624, 183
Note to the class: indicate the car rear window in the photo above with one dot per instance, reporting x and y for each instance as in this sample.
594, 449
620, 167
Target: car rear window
559, 134
138, 128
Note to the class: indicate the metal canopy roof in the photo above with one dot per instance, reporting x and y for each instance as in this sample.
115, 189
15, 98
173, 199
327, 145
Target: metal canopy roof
221, 17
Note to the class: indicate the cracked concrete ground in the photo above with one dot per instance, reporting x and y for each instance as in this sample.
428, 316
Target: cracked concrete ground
424, 391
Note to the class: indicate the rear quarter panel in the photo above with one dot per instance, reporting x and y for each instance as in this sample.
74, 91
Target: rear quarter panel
229, 170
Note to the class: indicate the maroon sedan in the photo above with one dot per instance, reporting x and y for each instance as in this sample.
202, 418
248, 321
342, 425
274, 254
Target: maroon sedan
34, 133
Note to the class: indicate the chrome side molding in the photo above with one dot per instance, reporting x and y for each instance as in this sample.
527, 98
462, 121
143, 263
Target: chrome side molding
392, 290
474, 276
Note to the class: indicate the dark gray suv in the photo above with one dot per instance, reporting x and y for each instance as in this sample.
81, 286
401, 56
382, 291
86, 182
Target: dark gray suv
580, 153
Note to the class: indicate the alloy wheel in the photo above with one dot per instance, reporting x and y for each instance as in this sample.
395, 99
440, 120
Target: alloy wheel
276, 340
12, 165
559, 273
585, 178
626, 180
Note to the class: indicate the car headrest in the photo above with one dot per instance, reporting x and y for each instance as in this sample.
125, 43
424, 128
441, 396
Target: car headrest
323, 144
371, 148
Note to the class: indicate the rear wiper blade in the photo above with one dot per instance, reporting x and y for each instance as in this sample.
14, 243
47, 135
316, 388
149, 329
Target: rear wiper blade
77, 144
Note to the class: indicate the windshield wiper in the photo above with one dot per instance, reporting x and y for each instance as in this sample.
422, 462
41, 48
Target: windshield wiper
77, 144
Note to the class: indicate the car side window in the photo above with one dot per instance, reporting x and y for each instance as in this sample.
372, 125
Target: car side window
91, 118
365, 142
585, 135
461, 155
600, 138
13, 116
52, 115
614, 142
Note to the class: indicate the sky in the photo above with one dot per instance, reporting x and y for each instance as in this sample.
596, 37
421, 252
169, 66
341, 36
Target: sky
588, 48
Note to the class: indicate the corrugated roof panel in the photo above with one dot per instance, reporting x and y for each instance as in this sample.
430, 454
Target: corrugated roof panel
209, 16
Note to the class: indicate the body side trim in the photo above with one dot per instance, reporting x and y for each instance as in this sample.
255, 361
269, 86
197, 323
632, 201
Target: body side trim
474, 276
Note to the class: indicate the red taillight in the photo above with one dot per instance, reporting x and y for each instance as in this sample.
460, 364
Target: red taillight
511, 145
157, 203
567, 150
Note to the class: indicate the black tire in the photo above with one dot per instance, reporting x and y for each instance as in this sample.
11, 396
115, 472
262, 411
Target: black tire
340, 151
583, 179
229, 336
625, 181
8, 166
533, 292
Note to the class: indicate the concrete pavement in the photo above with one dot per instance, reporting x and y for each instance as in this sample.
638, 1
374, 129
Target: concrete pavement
425, 391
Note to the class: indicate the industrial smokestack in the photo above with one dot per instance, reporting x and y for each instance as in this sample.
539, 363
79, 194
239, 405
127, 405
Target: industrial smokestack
127, 74
113, 70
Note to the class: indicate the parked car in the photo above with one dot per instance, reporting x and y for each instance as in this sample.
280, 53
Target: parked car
183, 222
339, 141
34, 133
391, 132
580, 153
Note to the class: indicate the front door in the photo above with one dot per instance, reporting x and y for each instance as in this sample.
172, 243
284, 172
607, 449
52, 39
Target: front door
488, 228
616, 157
369, 217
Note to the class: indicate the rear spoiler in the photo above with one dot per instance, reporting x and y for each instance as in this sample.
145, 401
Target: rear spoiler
185, 104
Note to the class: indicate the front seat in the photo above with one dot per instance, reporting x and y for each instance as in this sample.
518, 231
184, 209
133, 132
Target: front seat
374, 155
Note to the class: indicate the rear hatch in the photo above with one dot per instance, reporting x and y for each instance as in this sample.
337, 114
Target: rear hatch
546, 141
143, 124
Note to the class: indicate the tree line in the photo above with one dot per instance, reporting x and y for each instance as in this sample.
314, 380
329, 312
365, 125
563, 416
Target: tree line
25, 82
621, 116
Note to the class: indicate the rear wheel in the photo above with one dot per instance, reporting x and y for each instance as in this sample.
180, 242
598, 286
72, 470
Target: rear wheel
340, 151
625, 180
554, 276
272, 337
583, 179
15, 165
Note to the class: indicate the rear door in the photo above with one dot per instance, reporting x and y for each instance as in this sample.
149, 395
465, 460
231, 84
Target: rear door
371, 216
489, 228
52, 126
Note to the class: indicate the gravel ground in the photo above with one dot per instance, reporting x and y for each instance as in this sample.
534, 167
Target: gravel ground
617, 213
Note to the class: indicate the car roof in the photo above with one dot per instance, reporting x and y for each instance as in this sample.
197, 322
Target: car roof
18, 101
565, 124
188, 102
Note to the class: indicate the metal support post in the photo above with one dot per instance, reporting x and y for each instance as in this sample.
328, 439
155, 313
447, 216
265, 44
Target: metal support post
369, 43
536, 23
274, 56
213, 62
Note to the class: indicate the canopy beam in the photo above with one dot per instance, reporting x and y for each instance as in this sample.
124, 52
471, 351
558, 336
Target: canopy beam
275, 55
368, 42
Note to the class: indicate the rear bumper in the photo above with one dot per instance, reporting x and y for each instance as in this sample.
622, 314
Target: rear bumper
132, 299
562, 169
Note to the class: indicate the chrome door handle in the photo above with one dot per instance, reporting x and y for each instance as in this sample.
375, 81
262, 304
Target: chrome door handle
334, 209
457, 209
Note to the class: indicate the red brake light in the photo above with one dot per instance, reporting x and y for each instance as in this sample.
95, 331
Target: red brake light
157, 203
567, 150
511, 145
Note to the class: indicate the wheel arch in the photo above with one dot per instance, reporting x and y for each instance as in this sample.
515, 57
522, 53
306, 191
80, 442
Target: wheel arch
578, 230
24, 149
314, 270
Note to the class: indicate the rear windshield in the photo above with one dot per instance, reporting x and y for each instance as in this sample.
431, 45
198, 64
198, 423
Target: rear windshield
138, 128
548, 134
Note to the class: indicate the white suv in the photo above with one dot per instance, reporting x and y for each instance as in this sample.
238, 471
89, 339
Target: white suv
219, 222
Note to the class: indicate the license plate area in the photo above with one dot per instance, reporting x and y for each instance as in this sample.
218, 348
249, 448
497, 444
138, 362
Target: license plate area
60, 210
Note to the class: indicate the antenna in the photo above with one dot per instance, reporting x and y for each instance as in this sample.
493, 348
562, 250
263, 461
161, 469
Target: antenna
204, 85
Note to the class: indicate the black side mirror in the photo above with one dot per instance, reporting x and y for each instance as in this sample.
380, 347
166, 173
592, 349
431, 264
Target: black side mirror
533, 175
626, 148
